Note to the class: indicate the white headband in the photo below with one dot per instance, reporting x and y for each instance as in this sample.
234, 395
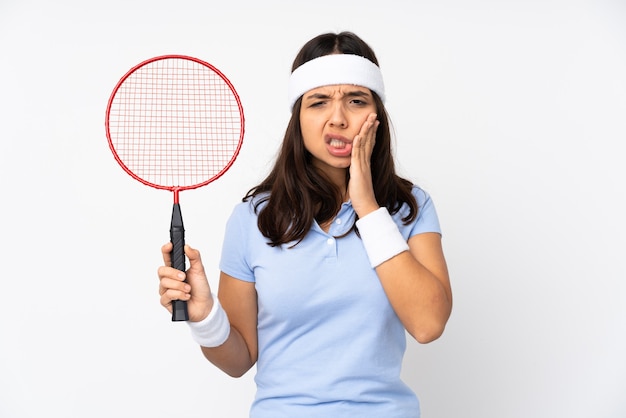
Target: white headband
335, 69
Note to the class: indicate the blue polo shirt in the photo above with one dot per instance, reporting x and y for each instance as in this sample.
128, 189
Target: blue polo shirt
330, 344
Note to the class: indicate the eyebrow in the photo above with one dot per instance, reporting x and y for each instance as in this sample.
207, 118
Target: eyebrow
352, 93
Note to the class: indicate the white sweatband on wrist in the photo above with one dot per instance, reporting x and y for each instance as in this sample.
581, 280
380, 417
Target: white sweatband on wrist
381, 237
213, 330
335, 69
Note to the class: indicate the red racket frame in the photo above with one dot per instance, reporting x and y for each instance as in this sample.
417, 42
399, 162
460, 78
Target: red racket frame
175, 189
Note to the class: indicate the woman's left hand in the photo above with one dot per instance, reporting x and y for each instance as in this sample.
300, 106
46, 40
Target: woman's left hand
360, 187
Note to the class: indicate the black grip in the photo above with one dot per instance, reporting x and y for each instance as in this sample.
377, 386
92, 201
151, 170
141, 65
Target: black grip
177, 236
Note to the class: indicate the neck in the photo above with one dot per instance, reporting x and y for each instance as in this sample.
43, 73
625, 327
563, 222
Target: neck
339, 179
337, 175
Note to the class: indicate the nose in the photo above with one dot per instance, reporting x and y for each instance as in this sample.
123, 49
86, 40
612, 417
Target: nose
338, 117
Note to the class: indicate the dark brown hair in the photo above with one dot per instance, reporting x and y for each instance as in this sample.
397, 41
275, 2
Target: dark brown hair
296, 192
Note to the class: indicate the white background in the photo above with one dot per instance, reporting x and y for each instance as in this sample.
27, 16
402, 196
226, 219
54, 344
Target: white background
512, 114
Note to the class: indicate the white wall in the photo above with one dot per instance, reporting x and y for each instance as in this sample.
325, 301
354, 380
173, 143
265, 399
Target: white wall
512, 114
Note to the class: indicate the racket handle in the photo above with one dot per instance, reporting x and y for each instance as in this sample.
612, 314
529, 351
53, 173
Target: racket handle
177, 236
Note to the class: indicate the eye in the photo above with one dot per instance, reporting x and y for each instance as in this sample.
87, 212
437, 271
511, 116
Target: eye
317, 103
358, 102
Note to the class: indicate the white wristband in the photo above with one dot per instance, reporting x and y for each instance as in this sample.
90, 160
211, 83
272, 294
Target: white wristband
213, 330
381, 237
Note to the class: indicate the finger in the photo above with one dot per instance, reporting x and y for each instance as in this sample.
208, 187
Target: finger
367, 134
356, 147
166, 251
170, 272
171, 295
195, 260
367, 128
192, 253
364, 142
367, 123
374, 126
370, 133
166, 284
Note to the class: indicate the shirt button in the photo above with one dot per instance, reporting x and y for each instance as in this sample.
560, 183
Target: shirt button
338, 221
330, 241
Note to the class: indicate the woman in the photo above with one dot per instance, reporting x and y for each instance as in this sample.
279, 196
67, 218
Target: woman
326, 262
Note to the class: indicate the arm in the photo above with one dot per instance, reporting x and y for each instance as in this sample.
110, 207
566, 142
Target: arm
418, 287
239, 353
238, 298
415, 281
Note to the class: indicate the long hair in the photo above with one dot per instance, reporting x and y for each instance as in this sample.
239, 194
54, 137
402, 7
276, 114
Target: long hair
295, 193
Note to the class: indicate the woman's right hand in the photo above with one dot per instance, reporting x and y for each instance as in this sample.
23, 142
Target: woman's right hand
191, 286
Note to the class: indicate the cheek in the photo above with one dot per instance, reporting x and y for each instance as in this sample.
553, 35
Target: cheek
310, 129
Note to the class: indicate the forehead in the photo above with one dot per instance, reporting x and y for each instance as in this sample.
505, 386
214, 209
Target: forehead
338, 89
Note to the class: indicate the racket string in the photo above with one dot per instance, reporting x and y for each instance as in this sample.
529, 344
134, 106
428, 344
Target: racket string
175, 123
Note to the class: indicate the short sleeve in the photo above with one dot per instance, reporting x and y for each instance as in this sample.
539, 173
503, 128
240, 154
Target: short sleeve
234, 260
427, 219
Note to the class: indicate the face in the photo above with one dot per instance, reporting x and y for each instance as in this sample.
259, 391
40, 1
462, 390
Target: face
330, 118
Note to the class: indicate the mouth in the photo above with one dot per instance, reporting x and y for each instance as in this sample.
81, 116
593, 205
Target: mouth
338, 145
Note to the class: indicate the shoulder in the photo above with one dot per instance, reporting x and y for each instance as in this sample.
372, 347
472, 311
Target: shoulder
426, 219
422, 199
425, 204
421, 196
250, 206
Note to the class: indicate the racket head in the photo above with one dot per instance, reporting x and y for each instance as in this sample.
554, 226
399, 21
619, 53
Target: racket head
175, 122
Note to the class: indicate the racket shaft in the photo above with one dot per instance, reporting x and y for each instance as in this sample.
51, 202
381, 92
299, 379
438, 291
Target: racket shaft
177, 236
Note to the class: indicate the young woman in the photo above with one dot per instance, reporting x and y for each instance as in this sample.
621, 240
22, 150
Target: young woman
329, 260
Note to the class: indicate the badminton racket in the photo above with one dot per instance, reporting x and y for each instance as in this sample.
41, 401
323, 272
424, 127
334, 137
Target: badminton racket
175, 123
